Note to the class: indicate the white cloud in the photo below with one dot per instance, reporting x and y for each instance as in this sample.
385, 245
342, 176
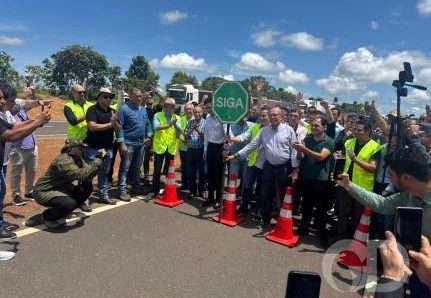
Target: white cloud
172, 17
335, 84
374, 25
234, 54
424, 7
180, 61
302, 41
12, 26
416, 95
11, 41
265, 38
424, 75
289, 77
255, 62
229, 77
370, 95
291, 89
355, 70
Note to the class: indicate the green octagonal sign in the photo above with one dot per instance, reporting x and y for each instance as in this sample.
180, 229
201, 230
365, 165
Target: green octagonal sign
230, 102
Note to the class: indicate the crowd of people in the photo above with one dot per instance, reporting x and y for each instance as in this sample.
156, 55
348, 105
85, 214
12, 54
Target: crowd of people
271, 148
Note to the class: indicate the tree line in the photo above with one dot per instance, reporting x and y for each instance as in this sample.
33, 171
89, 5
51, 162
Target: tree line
83, 65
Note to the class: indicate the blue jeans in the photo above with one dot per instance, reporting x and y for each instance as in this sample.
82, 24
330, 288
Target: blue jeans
239, 168
253, 176
196, 166
102, 177
130, 166
2, 191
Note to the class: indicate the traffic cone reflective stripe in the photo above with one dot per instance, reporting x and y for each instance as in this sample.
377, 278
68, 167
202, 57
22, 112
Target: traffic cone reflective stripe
356, 255
285, 213
229, 215
283, 232
169, 197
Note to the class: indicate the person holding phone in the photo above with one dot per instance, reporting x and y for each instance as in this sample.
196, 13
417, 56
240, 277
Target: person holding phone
410, 173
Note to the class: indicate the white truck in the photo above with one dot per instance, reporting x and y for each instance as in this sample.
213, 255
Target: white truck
184, 93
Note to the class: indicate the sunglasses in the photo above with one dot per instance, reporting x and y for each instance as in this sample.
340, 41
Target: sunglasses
81, 92
108, 97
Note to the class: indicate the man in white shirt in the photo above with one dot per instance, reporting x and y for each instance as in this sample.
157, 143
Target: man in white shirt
213, 154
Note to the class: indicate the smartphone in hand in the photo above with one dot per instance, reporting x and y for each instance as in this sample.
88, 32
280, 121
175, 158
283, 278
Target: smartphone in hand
303, 284
408, 227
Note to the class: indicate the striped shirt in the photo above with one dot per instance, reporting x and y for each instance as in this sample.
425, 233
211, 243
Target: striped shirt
195, 140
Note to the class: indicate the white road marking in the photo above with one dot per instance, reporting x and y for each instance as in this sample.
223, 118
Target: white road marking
32, 230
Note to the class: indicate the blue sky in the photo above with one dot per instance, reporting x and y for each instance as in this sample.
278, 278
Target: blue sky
349, 49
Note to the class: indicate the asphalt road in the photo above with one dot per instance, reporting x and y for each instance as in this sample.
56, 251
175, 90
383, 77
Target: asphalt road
146, 250
52, 130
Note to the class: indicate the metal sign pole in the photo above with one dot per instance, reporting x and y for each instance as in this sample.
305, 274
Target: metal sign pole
222, 176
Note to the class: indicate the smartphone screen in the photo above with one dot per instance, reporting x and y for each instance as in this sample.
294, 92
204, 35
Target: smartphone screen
408, 227
303, 284
338, 167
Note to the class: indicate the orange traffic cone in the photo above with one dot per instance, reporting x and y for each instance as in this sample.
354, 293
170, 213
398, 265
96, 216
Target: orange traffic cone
229, 216
356, 255
283, 232
169, 196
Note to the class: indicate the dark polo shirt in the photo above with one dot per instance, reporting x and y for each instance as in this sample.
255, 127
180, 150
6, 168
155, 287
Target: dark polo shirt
99, 139
314, 169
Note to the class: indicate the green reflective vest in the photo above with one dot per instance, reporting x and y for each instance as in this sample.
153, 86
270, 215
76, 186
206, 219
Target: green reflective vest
361, 177
165, 138
79, 131
253, 155
183, 144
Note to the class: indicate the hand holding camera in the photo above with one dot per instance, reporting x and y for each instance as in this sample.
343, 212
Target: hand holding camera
101, 153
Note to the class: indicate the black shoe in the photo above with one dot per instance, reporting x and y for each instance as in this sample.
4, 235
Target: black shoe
86, 207
18, 200
216, 205
302, 231
5, 234
207, 203
323, 241
242, 210
29, 195
107, 201
34, 220
264, 223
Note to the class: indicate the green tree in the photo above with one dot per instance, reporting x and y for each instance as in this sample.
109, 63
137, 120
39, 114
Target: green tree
181, 77
211, 83
280, 94
254, 83
77, 64
7, 73
114, 74
34, 74
140, 74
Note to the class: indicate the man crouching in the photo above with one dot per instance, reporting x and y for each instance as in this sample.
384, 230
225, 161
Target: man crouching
67, 183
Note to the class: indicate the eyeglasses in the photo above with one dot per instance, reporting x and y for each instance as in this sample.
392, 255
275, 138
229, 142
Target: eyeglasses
81, 92
107, 97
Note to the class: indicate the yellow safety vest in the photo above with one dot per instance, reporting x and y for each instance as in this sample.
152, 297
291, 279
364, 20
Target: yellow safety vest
79, 131
308, 128
183, 145
253, 155
165, 138
361, 177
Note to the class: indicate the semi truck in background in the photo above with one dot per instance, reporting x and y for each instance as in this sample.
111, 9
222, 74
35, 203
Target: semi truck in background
185, 93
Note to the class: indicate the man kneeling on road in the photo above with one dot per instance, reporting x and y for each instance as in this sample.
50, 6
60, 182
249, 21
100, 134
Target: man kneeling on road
65, 186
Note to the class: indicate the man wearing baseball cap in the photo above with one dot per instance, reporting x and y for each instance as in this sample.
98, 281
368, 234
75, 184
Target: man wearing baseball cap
102, 122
